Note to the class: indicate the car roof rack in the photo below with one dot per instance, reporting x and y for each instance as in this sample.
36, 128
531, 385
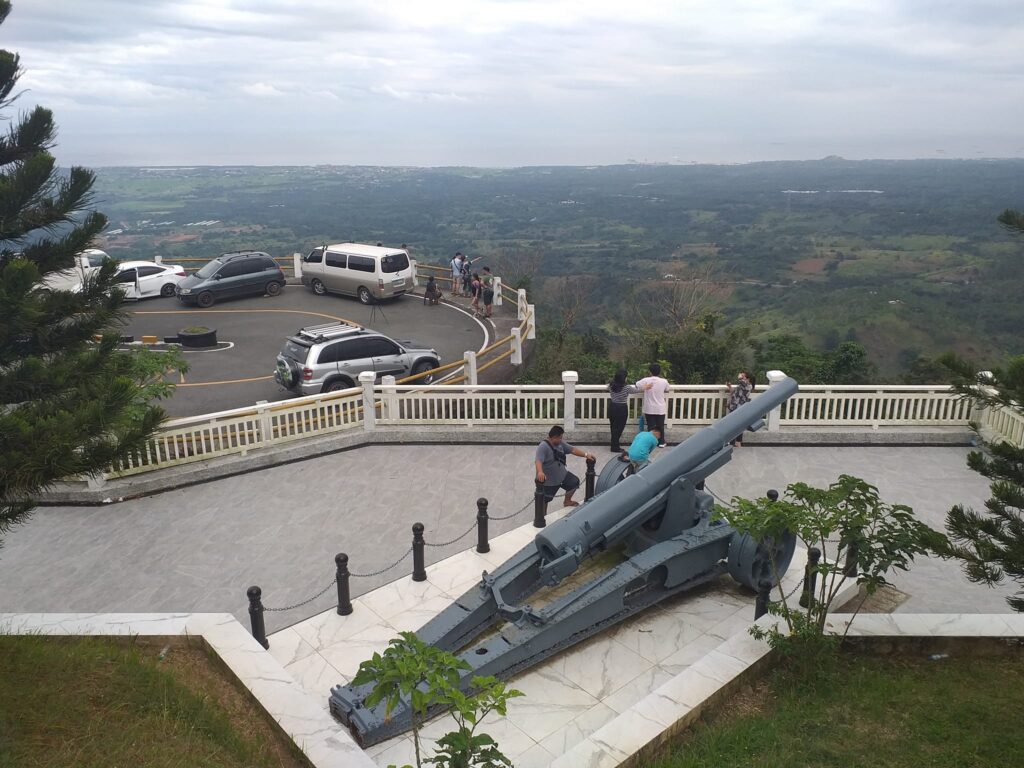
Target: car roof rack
329, 330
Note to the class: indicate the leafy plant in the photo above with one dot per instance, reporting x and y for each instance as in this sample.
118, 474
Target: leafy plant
428, 680
858, 535
196, 329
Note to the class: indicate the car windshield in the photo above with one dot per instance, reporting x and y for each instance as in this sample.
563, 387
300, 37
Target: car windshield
209, 269
295, 351
394, 262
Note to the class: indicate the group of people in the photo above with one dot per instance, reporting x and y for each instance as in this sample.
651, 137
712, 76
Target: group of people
550, 456
479, 286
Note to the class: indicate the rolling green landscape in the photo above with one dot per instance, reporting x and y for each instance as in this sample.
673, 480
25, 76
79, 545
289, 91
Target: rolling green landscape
904, 258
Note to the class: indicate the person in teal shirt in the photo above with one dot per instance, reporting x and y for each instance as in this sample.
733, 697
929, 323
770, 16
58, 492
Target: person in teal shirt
642, 445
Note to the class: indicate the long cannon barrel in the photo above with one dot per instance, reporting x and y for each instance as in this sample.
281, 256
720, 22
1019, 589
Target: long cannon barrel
581, 532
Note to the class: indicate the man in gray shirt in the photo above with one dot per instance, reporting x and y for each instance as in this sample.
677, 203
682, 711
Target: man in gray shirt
551, 470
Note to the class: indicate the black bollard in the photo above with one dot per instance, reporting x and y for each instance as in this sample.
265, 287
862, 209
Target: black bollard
259, 631
772, 494
764, 591
344, 600
591, 479
482, 544
810, 577
850, 566
419, 569
540, 505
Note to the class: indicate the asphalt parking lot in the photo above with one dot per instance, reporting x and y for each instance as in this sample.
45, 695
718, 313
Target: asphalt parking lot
242, 373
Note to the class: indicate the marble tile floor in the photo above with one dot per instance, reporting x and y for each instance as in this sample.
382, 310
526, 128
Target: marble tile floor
568, 697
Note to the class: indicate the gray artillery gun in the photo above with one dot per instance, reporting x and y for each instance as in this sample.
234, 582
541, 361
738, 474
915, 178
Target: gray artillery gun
660, 524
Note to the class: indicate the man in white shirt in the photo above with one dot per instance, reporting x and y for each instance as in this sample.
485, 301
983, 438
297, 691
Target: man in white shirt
456, 265
655, 388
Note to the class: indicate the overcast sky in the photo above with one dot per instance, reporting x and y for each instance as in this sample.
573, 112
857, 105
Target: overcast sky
503, 82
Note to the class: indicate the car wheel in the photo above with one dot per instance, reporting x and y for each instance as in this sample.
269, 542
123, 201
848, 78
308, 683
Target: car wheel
337, 385
422, 367
167, 291
205, 299
365, 297
273, 288
318, 288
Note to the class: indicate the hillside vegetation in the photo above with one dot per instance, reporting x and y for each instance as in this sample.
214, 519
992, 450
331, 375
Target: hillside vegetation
905, 258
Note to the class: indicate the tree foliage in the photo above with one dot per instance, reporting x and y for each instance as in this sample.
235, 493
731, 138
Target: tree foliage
847, 364
850, 525
68, 405
990, 543
428, 680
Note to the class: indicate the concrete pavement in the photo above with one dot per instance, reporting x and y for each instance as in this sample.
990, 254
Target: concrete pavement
199, 548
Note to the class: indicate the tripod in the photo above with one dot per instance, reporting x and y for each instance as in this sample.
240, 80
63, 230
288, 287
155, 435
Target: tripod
376, 308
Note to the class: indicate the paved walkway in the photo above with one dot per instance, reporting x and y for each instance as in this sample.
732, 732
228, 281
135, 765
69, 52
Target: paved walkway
199, 548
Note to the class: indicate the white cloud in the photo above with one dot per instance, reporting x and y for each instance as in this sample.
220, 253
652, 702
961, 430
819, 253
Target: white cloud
261, 90
522, 81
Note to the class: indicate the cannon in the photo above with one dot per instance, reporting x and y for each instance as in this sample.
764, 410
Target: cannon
656, 525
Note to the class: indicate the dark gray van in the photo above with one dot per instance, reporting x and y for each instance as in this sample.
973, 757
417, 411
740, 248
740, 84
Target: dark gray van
231, 275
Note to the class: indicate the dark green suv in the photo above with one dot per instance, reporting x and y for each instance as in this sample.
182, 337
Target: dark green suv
230, 275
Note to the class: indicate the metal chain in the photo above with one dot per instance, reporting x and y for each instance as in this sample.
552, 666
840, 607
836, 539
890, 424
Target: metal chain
304, 602
382, 570
522, 509
457, 538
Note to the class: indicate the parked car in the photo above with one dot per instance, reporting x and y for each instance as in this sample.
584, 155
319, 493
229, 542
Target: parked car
232, 275
141, 279
326, 358
87, 262
368, 272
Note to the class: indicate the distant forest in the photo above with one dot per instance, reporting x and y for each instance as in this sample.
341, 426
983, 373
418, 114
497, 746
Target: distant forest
903, 258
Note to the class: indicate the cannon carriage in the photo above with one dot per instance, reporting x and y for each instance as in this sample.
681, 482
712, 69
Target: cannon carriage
657, 526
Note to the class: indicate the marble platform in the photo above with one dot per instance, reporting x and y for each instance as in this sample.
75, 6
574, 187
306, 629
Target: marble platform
575, 703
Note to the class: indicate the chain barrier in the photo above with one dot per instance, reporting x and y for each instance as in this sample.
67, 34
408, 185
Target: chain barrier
382, 570
304, 602
398, 562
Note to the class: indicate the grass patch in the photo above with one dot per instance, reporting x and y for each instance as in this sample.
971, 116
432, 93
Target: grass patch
869, 711
112, 702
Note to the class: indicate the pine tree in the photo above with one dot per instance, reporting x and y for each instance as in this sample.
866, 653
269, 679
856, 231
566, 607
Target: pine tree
69, 406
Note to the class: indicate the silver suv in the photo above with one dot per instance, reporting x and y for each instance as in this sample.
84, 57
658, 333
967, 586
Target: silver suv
326, 358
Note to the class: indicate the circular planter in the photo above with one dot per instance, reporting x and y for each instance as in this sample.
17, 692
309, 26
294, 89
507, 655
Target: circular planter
198, 338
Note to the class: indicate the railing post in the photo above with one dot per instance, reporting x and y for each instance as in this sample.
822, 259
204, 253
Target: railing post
259, 631
158, 259
540, 505
569, 379
470, 366
389, 411
497, 290
517, 347
531, 327
266, 427
341, 576
419, 568
482, 543
415, 273
810, 577
764, 591
521, 304
366, 378
774, 418
297, 263
591, 478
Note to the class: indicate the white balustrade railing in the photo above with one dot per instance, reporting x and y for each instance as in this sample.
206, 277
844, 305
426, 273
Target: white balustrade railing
243, 429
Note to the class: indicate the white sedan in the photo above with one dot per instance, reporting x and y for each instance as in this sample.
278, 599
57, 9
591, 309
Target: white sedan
141, 279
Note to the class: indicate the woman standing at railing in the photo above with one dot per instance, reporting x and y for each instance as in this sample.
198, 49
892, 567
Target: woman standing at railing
618, 406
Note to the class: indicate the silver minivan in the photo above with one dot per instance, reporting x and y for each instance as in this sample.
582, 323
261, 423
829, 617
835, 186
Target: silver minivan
368, 272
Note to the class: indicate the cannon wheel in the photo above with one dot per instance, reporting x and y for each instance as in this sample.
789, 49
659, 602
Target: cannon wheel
612, 473
749, 562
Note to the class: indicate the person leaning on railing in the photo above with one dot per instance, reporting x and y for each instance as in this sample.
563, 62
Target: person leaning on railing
618, 406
